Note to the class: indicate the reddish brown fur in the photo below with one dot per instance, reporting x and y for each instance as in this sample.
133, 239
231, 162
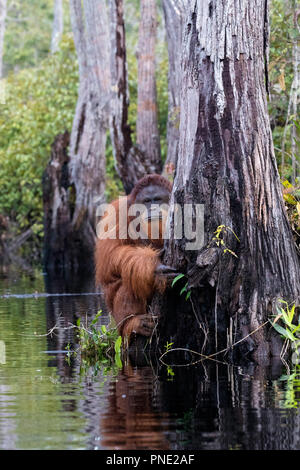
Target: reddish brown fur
126, 270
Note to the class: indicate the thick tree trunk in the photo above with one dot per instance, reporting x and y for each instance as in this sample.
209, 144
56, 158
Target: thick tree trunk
57, 210
72, 238
147, 134
88, 138
174, 13
58, 25
131, 162
226, 162
3, 9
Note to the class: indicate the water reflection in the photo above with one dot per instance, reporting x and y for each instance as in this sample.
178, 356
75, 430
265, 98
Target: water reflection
131, 421
48, 403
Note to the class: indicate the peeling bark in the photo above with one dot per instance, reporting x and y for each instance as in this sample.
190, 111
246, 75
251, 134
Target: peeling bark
88, 138
147, 134
131, 162
174, 14
57, 211
226, 162
70, 237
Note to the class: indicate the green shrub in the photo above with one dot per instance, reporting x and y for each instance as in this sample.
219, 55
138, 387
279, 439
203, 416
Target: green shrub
40, 104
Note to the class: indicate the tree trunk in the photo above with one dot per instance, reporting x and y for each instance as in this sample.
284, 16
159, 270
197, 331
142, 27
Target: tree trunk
74, 235
57, 210
131, 162
147, 134
226, 162
88, 138
58, 25
174, 13
295, 93
3, 5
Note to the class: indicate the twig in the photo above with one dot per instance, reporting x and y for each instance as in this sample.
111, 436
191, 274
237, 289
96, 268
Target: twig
211, 356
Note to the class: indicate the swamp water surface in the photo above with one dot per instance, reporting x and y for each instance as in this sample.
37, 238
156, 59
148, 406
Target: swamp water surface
47, 402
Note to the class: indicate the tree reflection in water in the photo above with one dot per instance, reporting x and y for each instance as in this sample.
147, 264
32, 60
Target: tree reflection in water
208, 406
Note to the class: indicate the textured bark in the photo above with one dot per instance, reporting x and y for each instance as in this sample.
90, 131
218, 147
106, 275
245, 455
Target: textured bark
3, 9
58, 25
147, 134
72, 237
174, 13
88, 138
57, 210
226, 162
131, 163
295, 93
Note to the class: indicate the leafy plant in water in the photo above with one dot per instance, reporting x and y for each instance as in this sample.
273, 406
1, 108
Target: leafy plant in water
288, 329
99, 347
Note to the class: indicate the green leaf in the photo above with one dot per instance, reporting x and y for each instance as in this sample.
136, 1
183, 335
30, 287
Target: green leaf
180, 276
183, 289
284, 332
118, 361
96, 317
118, 344
188, 295
296, 329
291, 313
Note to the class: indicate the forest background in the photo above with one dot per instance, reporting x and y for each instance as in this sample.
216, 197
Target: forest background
39, 95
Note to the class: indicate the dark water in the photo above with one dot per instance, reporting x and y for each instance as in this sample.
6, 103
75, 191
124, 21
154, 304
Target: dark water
48, 403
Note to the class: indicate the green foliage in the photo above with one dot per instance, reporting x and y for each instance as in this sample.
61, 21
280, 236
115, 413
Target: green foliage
102, 346
170, 372
40, 104
41, 99
219, 236
291, 196
289, 330
28, 32
168, 346
280, 78
291, 389
184, 288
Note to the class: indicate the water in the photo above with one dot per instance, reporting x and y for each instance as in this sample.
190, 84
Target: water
48, 403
